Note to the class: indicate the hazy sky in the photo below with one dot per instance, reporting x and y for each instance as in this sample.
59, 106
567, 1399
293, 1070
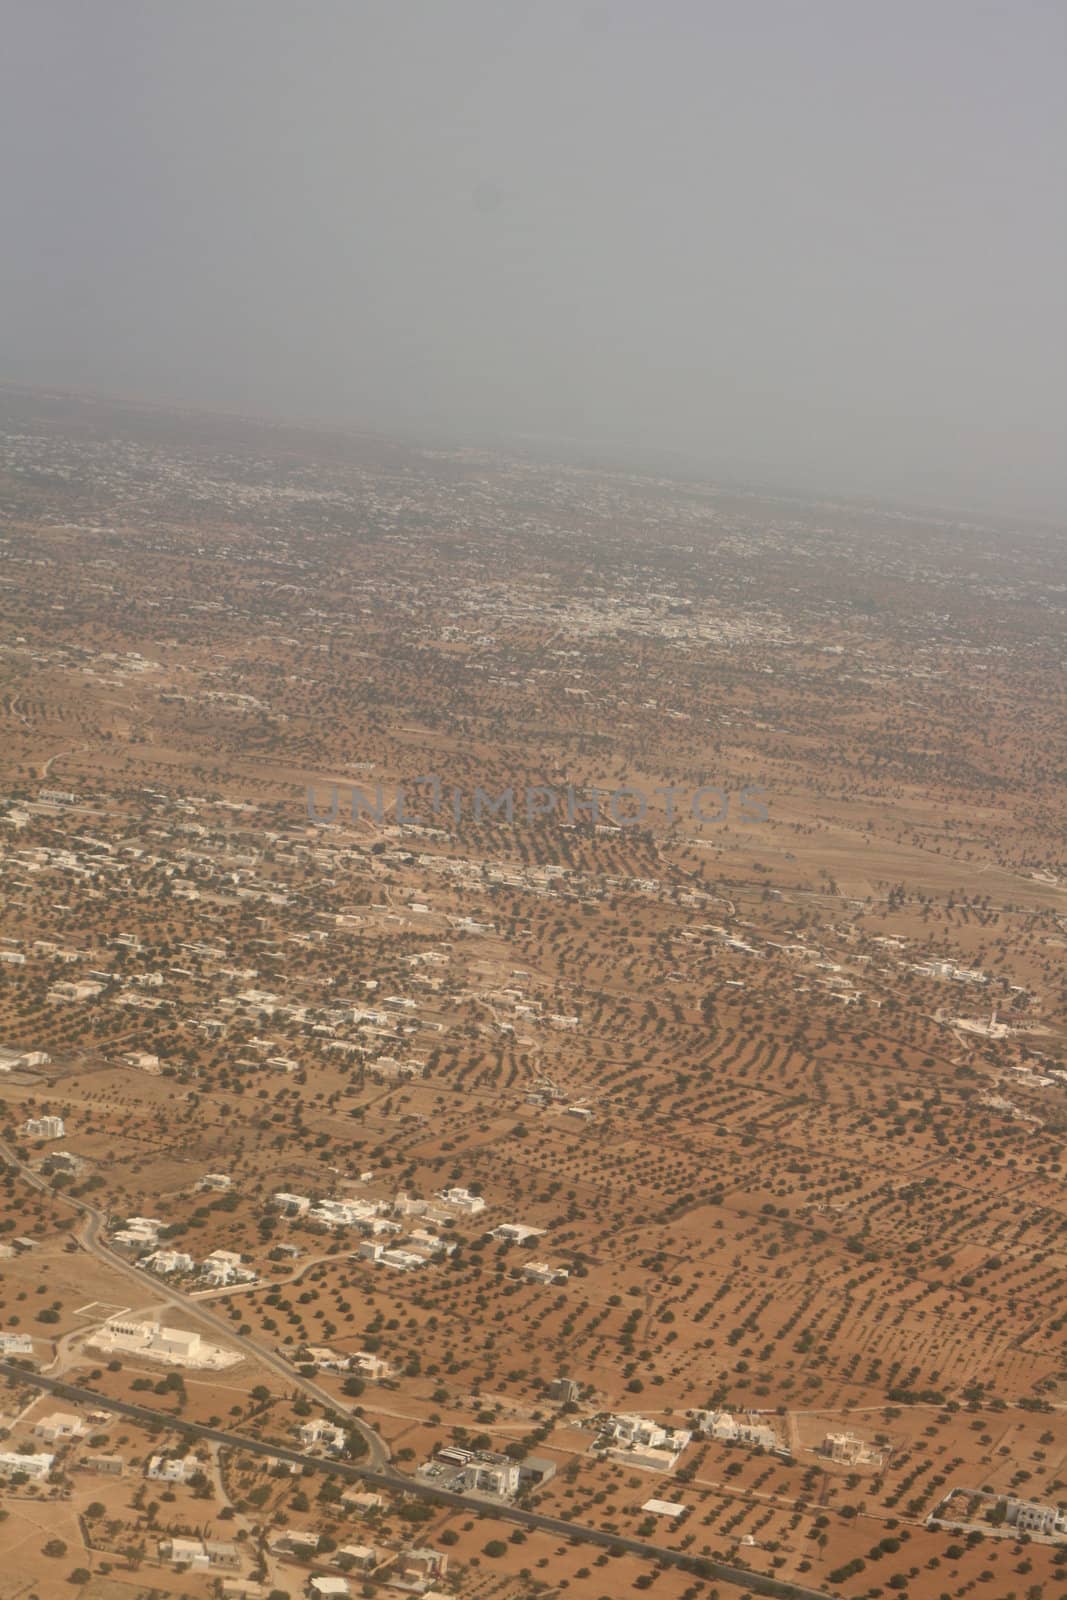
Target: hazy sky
817, 241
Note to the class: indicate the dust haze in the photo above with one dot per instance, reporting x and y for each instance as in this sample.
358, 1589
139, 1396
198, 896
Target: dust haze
817, 246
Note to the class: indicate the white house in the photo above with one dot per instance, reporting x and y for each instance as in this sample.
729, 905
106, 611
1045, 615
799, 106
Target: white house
167, 1261
70, 993
182, 1552
544, 1272
58, 1427
38, 1466
401, 1260
44, 1128
367, 1365
224, 1266
1031, 1517
500, 1478
139, 1230
470, 1204
14, 1060
363, 1557
172, 1469
516, 1232
322, 1433
642, 1443
328, 1588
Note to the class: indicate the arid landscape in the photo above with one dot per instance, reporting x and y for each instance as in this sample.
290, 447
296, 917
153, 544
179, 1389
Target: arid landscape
533, 1028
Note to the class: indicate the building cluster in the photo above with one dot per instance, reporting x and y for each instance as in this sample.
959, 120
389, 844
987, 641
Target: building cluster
388, 1239
218, 1270
360, 1362
216, 1555
639, 1442
942, 967
1000, 1513
413, 1570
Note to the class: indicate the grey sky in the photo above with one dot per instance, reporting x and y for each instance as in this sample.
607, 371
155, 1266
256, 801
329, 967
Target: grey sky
816, 240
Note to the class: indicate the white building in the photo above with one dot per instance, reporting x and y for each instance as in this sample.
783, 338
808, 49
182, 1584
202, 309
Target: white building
721, 1425
325, 1359
462, 1200
168, 1261
325, 1587
144, 1061
718, 1424
362, 1502
636, 1430
544, 1272
845, 1448
429, 1243
402, 1260
174, 1345
363, 1557
224, 1266
424, 1562
200, 1553
44, 1128
139, 1230
322, 1433
172, 1469
58, 1427
38, 1466
182, 1342
368, 1366
181, 1552
70, 993
344, 1213
14, 1060
642, 1443
516, 1232
500, 1478
1030, 1517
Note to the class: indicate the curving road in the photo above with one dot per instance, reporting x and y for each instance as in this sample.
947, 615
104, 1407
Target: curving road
378, 1470
88, 1235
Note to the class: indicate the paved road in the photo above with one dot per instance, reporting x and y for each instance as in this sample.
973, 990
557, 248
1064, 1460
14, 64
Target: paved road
88, 1235
392, 1479
379, 1470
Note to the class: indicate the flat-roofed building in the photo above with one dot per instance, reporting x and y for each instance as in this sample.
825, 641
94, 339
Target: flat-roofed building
34, 1466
